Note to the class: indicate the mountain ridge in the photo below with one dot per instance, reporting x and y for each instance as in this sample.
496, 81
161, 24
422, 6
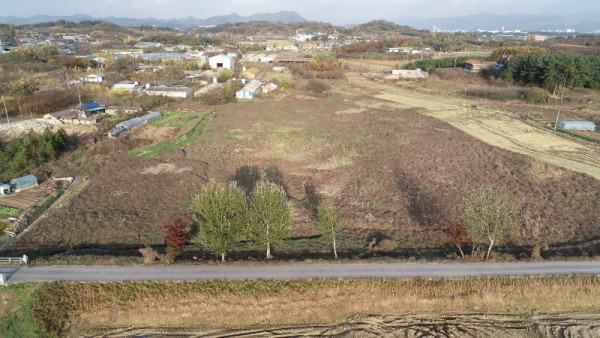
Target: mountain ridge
282, 16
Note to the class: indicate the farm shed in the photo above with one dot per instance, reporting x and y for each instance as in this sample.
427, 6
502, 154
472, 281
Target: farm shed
93, 107
116, 110
175, 92
221, 62
5, 189
249, 90
24, 182
474, 66
577, 125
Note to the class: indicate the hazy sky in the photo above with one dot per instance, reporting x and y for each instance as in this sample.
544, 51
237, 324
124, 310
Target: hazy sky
334, 11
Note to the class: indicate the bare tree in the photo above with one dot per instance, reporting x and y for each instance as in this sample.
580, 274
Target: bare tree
489, 215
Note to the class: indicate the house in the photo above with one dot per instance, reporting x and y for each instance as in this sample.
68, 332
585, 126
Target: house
221, 61
175, 92
279, 69
126, 86
5, 189
117, 110
474, 66
23, 183
249, 90
94, 78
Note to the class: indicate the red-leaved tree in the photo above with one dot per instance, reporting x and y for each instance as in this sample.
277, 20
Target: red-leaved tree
176, 234
459, 236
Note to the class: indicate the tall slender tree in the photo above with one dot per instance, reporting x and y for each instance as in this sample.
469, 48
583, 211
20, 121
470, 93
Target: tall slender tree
270, 220
221, 211
489, 216
328, 224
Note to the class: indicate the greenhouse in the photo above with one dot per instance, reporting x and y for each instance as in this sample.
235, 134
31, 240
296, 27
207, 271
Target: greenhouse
577, 125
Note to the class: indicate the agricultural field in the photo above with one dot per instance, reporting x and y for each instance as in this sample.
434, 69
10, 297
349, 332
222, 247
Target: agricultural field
395, 164
499, 307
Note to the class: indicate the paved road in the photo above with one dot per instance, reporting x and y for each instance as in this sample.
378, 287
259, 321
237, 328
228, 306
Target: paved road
296, 271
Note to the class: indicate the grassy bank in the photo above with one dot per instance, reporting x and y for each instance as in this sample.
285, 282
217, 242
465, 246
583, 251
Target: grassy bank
180, 142
78, 307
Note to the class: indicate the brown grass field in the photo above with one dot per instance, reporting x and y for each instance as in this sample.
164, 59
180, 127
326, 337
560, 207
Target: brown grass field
389, 169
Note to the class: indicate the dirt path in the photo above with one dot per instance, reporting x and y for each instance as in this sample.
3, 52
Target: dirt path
497, 128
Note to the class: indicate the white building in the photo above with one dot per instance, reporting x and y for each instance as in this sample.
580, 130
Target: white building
126, 86
221, 62
94, 78
249, 90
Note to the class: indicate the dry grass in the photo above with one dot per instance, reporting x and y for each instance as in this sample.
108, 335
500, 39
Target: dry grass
241, 304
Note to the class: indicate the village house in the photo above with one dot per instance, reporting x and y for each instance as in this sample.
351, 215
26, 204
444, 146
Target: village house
249, 90
126, 86
94, 78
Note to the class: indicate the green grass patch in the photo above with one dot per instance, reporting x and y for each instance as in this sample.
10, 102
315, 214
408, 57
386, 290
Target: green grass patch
16, 318
182, 141
167, 118
6, 212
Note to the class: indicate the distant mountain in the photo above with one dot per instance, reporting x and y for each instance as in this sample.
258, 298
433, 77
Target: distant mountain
283, 16
581, 22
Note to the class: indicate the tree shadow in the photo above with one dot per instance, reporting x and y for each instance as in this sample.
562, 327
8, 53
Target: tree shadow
424, 206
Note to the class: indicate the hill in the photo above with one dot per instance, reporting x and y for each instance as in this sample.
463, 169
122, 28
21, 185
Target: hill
283, 16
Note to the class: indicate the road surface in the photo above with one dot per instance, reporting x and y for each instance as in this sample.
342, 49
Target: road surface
293, 272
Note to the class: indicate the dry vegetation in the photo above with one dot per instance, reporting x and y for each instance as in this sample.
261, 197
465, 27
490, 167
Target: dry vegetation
390, 171
81, 307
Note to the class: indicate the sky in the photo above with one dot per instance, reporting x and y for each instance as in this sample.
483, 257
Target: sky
333, 11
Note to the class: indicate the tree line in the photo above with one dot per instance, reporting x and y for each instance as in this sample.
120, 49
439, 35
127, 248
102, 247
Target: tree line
229, 214
30, 151
553, 70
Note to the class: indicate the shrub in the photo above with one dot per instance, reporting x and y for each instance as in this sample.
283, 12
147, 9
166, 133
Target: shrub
537, 95
317, 86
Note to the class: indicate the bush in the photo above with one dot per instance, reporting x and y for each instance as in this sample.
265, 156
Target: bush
317, 86
225, 76
537, 95
223, 95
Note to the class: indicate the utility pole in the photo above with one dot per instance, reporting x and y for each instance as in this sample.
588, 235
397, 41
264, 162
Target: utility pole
562, 93
5, 110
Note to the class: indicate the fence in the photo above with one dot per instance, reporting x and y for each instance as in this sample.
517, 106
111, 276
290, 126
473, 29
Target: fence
9, 260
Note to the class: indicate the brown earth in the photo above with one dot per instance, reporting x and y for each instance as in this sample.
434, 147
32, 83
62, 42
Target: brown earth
407, 325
